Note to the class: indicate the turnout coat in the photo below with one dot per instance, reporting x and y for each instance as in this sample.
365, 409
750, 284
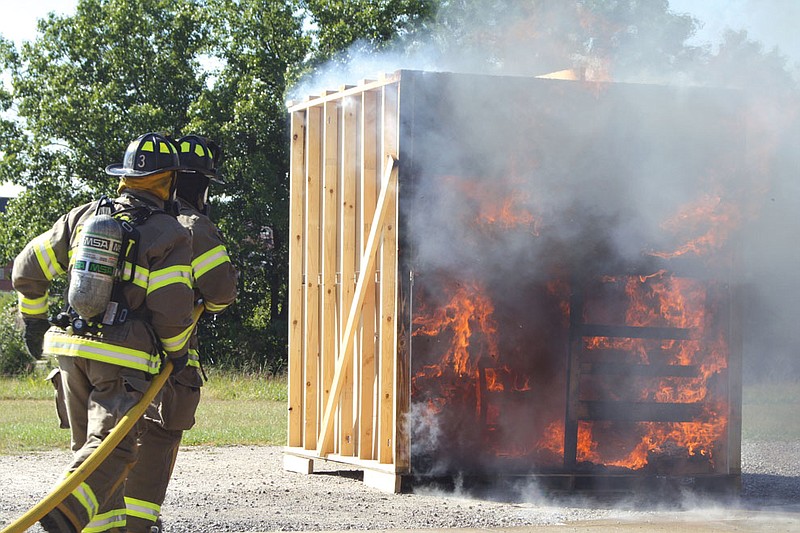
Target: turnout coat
159, 296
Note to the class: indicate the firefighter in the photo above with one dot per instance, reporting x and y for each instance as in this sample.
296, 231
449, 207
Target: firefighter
107, 360
215, 282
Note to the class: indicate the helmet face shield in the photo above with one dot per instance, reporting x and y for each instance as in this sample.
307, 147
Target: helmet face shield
146, 155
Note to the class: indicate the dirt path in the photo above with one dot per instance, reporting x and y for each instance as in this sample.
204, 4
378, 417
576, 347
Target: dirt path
245, 489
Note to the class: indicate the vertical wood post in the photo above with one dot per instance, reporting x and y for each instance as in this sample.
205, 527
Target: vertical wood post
296, 244
312, 275
347, 260
388, 291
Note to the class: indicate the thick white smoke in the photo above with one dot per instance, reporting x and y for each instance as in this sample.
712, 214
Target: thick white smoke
609, 173
757, 186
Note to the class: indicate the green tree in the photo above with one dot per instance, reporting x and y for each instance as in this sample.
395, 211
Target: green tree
257, 45
86, 86
340, 29
92, 81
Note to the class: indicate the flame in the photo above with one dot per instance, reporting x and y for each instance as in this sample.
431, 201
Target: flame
469, 369
468, 372
709, 220
495, 209
553, 438
664, 300
507, 214
467, 314
501, 378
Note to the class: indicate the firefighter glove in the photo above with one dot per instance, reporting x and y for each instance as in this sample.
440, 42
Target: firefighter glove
179, 363
35, 328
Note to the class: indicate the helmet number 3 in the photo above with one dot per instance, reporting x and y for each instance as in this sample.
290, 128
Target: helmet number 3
140, 161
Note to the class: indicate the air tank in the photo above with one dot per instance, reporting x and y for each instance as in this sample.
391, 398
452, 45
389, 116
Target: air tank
95, 266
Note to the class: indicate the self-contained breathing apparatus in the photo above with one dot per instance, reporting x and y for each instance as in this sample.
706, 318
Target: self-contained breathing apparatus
104, 261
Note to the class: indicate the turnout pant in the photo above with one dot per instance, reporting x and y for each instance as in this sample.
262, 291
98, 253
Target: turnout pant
97, 396
165, 421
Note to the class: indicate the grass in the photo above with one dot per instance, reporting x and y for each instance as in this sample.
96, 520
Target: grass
251, 409
241, 409
235, 409
30, 425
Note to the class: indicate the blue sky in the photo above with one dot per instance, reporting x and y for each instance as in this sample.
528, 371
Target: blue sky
773, 22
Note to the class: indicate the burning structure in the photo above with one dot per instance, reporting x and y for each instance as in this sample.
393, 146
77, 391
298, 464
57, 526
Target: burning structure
516, 276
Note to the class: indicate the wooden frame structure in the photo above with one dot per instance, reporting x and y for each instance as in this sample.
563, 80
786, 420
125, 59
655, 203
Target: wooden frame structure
343, 389
361, 157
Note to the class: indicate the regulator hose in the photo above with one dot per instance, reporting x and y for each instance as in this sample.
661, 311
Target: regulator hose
96, 458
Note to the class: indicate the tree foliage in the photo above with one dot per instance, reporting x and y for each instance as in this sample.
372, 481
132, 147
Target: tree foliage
358, 26
257, 45
88, 84
92, 81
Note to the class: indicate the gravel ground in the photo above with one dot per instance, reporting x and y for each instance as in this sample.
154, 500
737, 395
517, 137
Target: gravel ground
245, 489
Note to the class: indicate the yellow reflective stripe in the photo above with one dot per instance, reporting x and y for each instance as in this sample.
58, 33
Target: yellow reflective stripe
212, 307
142, 509
57, 343
176, 343
140, 277
75, 239
32, 306
194, 358
168, 276
46, 257
116, 518
85, 495
212, 258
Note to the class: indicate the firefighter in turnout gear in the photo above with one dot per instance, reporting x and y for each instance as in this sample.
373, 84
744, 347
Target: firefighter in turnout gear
108, 360
215, 282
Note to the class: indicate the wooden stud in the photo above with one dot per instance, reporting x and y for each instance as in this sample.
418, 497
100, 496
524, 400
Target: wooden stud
366, 194
297, 232
329, 206
347, 261
312, 273
388, 291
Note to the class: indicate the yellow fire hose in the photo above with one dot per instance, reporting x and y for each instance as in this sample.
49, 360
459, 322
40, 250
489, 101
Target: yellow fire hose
96, 458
